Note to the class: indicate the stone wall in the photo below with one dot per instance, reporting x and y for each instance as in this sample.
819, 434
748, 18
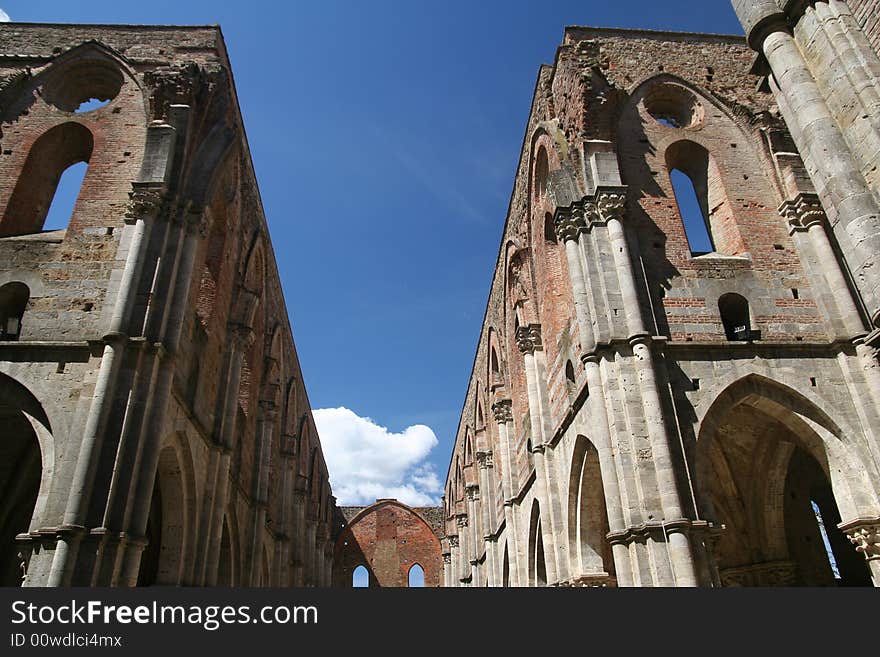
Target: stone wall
155, 339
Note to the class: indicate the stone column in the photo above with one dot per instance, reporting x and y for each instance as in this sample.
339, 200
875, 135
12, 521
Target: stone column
297, 532
447, 567
484, 462
569, 223
503, 417
464, 552
260, 484
528, 340
864, 534
829, 159
476, 532
309, 564
240, 339
805, 213
569, 227
455, 561
611, 208
142, 212
146, 464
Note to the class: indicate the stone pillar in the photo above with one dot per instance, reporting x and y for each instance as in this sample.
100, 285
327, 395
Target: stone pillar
569, 223
309, 560
260, 485
455, 561
569, 227
805, 213
528, 340
464, 551
297, 532
503, 417
484, 462
146, 464
864, 534
143, 210
447, 567
241, 337
610, 205
476, 533
829, 159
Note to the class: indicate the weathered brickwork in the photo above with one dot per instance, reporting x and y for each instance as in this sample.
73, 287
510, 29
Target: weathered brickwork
638, 407
151, 379
388, 539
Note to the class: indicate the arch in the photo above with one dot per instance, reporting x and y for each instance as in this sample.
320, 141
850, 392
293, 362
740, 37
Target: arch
541, 173
54, 152
360, 577
829, 441
171, 517
537, 563
587, 513
27, 461
226, 567
14, 299
416, 576
765, 454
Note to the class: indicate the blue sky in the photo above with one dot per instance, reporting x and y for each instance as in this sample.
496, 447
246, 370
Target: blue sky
385, 137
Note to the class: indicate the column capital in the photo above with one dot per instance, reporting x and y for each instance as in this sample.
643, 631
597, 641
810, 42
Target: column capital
611, 203
462, 520
803, 211
503, 410
864, 534
528, 338
447, 558
453, 540
485, 460
241, 336
143, 202
568, 223
473, 493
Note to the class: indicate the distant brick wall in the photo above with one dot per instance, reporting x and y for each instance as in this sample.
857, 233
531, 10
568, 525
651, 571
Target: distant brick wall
388, 538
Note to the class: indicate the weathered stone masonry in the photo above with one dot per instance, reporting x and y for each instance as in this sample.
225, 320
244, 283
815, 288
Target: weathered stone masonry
642, 414
155, 424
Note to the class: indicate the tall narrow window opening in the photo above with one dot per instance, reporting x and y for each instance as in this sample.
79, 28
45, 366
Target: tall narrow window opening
695, 225
52, 176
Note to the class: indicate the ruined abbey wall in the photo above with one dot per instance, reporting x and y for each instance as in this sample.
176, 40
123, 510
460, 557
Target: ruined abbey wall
152, 377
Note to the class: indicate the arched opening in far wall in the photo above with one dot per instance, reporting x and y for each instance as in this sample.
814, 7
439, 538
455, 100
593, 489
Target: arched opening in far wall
773, 472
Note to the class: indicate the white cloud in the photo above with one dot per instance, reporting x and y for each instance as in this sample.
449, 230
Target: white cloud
367, 461
4, 17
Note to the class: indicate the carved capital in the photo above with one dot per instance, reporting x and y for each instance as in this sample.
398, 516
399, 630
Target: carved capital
569, 223
453, 541
804, 211
503, 411
528, 338
473, 493
484, 460
447, 558
269, 409
462, 520
195, 221
143, 202
241, 336
866, 537
610, 205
